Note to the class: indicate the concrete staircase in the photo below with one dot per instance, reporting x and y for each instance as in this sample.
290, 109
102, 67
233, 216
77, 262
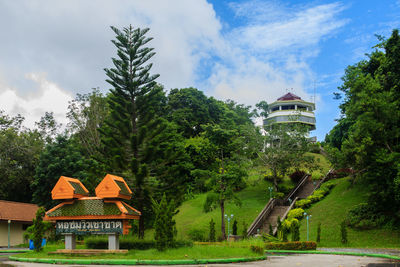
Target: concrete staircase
272, 219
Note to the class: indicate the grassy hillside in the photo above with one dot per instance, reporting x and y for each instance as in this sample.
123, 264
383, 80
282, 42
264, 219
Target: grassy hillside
332, 210
254, 197
191, 215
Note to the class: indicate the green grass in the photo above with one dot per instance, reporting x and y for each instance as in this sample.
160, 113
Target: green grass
195, 252
332, 210
191, 215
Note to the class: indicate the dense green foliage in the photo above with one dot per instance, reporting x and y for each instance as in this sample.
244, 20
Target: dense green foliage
296, 245
368, 133
38, 229
129, 242
164, 224
211, 234
19, 154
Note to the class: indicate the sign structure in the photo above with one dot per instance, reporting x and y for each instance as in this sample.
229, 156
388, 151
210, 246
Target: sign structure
82, 227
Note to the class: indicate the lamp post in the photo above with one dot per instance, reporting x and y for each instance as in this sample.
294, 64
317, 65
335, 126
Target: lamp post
307, 218
270, 191
229, 218
9, 232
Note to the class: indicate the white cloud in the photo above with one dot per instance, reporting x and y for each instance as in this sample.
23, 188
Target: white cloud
266, 56
50, 97
70, 42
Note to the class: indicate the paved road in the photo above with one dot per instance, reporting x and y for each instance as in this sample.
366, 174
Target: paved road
277, 261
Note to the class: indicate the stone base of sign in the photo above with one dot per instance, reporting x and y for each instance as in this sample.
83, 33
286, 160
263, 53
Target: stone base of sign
88, 252
70, 241
113, 241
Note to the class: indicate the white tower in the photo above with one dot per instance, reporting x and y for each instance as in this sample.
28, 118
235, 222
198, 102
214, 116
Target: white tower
291, 109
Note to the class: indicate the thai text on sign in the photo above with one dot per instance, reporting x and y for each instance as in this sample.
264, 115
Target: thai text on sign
89, 226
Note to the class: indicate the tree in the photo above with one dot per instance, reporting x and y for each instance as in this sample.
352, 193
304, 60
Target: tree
285, 149
136, 140
62, 157
190, 109
48, 127
19, 154
164, 225
38, 229
371, 113
86, 114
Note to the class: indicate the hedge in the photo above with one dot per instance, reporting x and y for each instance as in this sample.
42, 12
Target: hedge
128, 243
295, 245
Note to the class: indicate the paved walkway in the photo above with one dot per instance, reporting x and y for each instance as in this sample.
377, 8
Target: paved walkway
394, 252
275, 261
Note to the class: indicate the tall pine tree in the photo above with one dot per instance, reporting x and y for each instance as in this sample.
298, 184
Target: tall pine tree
135, 136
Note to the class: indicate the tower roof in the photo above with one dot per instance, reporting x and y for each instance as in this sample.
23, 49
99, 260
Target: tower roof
289, 96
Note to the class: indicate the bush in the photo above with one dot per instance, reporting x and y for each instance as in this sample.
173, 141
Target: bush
315, 198
364, 216
244, 232
295, 230
234, 227
279, 195
129, 242
285, 188
164, 224
297, 245
211, 235
296, 176
304, 203
319, 233
343, 232
296, 213
196, 235
257, 249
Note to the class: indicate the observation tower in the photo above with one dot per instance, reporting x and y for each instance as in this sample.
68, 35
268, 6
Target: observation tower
290, 108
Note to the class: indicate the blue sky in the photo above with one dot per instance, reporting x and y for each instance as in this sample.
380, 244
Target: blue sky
247, 51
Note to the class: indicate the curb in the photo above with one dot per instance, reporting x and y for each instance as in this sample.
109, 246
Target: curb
387, 256
14, 251
133, 261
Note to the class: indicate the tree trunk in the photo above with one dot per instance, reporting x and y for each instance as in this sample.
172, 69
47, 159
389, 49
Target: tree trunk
222, 206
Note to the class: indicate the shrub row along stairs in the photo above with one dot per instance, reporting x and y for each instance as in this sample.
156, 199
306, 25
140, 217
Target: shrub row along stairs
280, 207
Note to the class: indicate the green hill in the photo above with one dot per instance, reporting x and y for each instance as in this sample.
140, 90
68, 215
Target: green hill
254, 197
332, 210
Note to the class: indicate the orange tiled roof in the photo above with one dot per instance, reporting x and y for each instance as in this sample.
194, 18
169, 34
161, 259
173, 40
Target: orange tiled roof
17, 211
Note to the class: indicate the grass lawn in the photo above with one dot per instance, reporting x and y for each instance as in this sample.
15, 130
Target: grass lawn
195, 252
332, 210
191, 215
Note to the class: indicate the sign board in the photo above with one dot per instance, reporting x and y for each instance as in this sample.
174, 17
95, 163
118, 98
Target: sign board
83, 227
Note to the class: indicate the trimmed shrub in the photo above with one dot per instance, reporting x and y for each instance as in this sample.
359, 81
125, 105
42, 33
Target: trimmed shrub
211, 235
129, 243
304, 203
257, 249
319, 233
295, 230
234, 227
244, 232
297, 245
296, 213
343, 232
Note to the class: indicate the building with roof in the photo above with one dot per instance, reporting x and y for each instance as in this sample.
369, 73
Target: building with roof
18, 216
290, 108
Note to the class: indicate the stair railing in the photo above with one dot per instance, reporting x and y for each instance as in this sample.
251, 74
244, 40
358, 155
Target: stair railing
258, 222
297, 188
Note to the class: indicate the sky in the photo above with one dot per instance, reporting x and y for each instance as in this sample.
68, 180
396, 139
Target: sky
246, 51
